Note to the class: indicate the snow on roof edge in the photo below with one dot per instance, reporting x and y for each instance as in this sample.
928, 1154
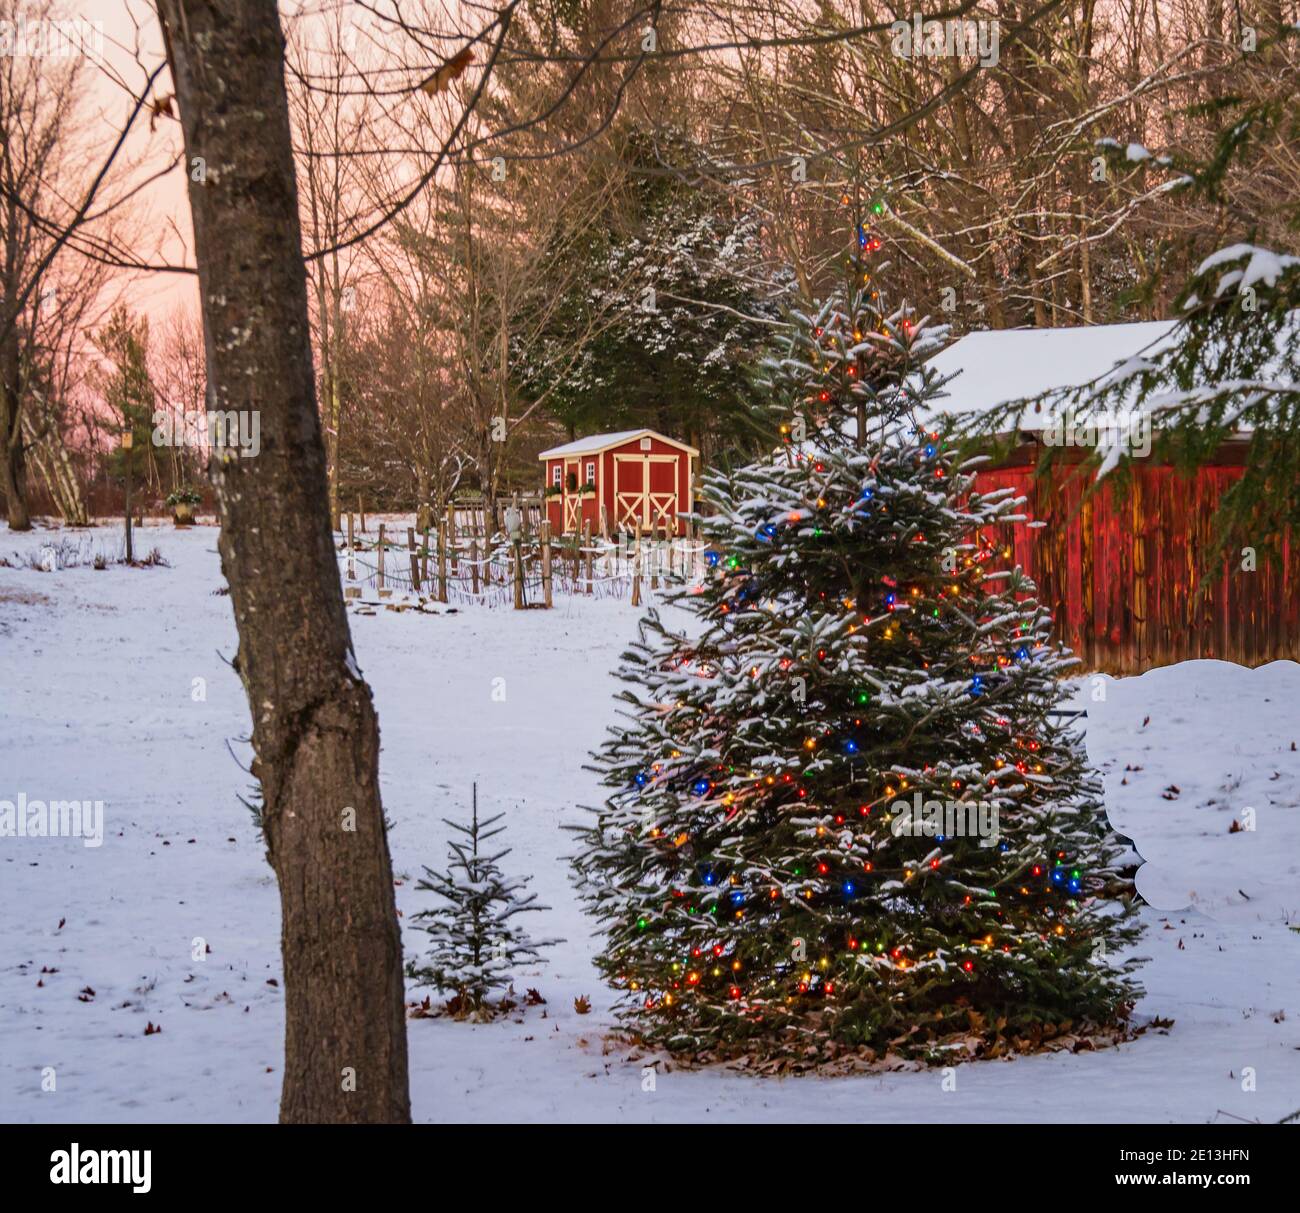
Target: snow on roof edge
599, 442
993, 366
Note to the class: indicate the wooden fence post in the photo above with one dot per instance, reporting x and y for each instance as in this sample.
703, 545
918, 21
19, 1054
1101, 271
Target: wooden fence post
547, 589
451, 538
636, 566
361, 509
352, 551
586, 555
442, 563
519, 575
473, 562
424, 556
415, 560
379, 580
604, 521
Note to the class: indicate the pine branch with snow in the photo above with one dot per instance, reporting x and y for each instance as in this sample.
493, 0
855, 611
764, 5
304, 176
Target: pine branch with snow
1230, 369
475, 944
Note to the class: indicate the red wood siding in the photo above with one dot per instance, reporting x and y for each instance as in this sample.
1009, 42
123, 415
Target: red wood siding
1120, 571
664, 478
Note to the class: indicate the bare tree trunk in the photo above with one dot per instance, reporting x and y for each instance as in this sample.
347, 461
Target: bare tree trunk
13, 472
334, 422
50, 455
13, 484
315, 733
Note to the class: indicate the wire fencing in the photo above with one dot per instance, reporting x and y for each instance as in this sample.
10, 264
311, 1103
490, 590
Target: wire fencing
524, 572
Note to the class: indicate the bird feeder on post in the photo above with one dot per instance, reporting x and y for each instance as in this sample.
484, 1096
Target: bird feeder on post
128, 440
514, 521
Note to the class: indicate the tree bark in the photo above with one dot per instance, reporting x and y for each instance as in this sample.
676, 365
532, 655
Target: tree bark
13, 447
315, 733
50, 455
13, 472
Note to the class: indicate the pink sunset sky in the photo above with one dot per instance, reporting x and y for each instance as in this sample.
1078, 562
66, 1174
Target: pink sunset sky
129, 46
132, 47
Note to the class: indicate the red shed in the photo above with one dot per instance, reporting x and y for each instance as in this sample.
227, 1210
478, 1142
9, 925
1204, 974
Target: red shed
619, 481
1120, 571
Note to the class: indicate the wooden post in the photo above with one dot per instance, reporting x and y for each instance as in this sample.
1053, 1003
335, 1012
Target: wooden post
604, 521
415, 560
127, 439
361, 509
586, 555
473, 562
655, 550
424, 557
442, 563
519, 576
547, 589
379, 580
352, 551
636, 566
451, 538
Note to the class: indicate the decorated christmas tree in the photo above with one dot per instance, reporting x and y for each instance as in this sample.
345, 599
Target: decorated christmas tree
848, 814
475, 943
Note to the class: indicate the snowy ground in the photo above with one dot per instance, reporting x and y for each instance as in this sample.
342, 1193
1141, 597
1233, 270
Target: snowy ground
97, 671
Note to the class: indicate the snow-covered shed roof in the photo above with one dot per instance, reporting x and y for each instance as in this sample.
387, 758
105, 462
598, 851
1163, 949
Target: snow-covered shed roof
595, 443
991, 368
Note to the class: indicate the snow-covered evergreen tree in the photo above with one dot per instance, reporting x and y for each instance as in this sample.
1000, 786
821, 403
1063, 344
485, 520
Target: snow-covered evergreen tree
664, 321
475, 944
846, 811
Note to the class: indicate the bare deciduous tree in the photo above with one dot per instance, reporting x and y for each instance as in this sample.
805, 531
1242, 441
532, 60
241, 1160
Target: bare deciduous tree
315, 733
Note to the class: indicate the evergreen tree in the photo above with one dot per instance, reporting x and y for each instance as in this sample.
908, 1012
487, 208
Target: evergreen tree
677, 293
847, 812
475, 944
128, 391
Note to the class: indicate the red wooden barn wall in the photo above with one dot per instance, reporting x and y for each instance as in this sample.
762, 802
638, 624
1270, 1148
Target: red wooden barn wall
1120, 572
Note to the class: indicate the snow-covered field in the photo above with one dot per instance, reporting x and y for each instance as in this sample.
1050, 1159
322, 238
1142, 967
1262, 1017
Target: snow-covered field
98, 673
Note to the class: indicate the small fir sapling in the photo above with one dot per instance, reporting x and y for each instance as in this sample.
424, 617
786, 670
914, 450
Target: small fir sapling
475, 942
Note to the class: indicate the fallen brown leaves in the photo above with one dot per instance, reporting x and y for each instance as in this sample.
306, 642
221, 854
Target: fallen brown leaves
909, 1052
